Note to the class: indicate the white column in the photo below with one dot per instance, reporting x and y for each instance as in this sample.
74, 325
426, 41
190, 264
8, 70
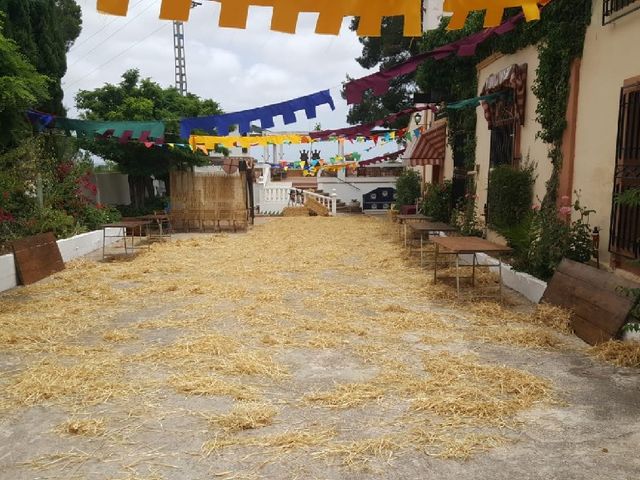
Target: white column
334, 202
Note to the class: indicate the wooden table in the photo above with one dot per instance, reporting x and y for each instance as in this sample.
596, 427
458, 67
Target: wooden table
469, 246
136, 226
160, 219
429, 229
404, 219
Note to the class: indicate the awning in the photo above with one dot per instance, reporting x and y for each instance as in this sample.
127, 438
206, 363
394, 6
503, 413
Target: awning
430, 147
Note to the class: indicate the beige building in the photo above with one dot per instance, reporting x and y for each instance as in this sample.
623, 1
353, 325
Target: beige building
601, 146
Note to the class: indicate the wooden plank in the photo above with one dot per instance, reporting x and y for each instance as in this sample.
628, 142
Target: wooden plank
470, 245
37, 257
598, 309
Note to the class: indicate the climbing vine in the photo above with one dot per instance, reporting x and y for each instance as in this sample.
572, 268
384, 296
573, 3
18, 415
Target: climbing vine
559, 38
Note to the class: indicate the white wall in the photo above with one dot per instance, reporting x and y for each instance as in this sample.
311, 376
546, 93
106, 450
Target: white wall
355, 188
530, 146
70, 248
610, 57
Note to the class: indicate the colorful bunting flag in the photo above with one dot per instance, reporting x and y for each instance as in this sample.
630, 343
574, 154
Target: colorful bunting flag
266, 114
494, 8
234, 13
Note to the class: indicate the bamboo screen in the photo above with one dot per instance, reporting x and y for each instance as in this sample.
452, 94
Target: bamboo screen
202, 199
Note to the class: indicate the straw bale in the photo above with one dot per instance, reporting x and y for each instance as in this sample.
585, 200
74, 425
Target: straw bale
295, 212
615, 352
245, 416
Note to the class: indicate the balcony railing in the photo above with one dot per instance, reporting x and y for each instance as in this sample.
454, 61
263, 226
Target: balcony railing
612, 10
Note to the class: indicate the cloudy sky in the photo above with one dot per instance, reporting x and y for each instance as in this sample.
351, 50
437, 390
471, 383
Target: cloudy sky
240, 69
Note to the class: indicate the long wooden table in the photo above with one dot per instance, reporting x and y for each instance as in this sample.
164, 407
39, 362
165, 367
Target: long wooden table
160, 219
136, 226
429, 229
457, 246
403, 220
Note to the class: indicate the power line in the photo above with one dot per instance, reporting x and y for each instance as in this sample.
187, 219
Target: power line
110, 22
119, 54
110, 36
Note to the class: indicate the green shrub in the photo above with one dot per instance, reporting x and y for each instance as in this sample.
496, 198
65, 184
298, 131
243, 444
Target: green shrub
94, 216
437, 201
51, 220
543, 239
407, 188
510, 195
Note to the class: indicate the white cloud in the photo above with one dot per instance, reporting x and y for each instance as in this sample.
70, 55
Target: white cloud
240, 69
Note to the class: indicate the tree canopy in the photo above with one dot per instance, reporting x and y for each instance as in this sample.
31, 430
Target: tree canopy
136, 98
385, 51
143, 99
44, 30
21, 87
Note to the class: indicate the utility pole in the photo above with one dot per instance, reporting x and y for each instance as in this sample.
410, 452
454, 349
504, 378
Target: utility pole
180, 59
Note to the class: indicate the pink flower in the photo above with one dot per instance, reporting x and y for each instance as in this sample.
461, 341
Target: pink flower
565, 210
535, 208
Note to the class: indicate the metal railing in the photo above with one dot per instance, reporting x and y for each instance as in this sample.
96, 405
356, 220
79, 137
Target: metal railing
612, 10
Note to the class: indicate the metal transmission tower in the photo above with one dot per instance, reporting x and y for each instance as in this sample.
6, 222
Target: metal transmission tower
180, 59
179, 55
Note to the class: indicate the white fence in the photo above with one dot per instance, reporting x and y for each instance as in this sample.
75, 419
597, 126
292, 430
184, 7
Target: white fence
274, 199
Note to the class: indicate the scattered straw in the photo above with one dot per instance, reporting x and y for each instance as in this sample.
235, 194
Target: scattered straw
90, 427
245, 416
118, 336
347, 395
621, 354
200, 384
552, 316
94, 381
357, 454
281, 442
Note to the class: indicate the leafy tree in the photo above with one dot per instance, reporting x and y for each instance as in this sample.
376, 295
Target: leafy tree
44, 31
21, 87
385, 51
407, 188
143, 99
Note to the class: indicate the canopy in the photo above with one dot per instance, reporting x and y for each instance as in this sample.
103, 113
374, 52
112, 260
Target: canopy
431, 147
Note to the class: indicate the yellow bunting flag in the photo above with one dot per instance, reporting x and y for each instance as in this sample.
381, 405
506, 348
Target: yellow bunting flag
114, 7
494, 8
234, 13
206, 142
175, 10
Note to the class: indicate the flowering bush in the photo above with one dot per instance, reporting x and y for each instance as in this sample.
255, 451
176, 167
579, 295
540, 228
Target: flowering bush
437, 201
550, 236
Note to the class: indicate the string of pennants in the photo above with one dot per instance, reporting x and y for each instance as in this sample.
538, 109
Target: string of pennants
234, 13
351, 161
151, 133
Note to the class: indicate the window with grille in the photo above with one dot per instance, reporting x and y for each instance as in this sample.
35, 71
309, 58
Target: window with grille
615, 9
624, 237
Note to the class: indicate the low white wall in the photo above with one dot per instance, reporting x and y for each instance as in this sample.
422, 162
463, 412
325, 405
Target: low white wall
355, 187
70, 248
530, 287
